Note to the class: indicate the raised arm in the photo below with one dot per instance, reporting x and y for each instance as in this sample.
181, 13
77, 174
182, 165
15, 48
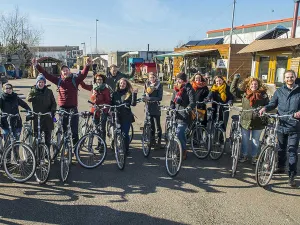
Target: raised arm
85, 71
85, 86
234, 88
52, 78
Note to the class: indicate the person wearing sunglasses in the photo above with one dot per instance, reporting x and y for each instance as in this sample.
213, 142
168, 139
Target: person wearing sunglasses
9, 103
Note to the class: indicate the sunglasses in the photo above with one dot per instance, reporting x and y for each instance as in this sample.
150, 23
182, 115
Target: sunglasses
8, 88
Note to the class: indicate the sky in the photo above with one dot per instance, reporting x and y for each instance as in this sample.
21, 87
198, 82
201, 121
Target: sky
129, 25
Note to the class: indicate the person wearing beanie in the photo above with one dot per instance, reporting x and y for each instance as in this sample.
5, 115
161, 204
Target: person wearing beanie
100, 94
153, 91
183, 98
43, 101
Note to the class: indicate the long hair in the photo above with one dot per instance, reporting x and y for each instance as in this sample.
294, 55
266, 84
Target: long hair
128, 87
245, 84
216, 77
198, 74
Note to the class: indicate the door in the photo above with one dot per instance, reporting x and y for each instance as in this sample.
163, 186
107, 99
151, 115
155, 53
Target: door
281, 66
263, 70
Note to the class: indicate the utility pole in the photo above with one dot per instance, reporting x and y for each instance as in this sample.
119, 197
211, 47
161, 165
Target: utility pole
96, 37
295, 20
91, 47
230, 39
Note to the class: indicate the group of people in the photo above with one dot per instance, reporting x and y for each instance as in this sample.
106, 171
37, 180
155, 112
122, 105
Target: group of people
115, 89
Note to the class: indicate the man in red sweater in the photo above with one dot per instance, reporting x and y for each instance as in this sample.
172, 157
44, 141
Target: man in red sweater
67, 92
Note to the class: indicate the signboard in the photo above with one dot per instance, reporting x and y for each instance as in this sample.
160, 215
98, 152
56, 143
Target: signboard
221, 64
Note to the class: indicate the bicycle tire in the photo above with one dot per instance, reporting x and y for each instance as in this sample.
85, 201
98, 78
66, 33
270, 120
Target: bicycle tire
53, 150
28, 158
146, 140
120, 150
87, 158
173, 154
65, 162
265, 160
217, 144
43, 164
236, 145
200, 136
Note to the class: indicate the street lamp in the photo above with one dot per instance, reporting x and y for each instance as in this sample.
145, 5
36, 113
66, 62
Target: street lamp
96, 36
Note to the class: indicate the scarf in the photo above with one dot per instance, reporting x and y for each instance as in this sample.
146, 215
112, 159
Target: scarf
253, 96
221, 90
198, 85
98, 87
150, 87
179, 89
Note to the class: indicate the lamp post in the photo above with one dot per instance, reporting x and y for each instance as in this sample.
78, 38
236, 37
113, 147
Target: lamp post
230, 41
96, 36
84, 48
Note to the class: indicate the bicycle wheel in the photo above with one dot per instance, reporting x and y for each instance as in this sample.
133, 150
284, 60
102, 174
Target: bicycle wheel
199, 142
230, 139
131, 133
91, 151
65, 161
265, 166
120, 150
173, 156
167, 126
19, 162
217, 143
43, 163
236, 146
146, 140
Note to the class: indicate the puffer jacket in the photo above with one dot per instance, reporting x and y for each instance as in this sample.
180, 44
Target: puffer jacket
287, 102
187, 101
156, 95
250, 120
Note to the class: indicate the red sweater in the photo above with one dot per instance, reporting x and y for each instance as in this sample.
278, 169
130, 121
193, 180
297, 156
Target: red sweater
67, 93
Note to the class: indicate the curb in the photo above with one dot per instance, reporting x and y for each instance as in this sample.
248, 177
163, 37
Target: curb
142, 86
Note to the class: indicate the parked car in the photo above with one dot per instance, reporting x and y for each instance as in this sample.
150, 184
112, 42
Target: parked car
3, 74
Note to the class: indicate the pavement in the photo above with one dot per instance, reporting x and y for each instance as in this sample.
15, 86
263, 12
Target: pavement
202, 193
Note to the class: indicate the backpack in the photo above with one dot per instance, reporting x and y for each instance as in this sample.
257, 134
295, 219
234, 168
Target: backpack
73, 82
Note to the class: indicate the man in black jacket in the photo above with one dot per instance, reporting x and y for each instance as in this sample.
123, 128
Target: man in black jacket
113, 77
287, 99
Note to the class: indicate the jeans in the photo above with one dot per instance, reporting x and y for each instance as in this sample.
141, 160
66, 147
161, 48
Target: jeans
103, 125
16, 132
254, 141
155, 122
181, 128
288, 142
74, 124
125, 127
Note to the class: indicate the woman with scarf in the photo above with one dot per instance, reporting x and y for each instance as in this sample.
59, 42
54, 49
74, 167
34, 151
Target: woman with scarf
153, 91
9, 103
124, 93
100, 95
253, 94
201, 92
183, 98
220, 92
43, 101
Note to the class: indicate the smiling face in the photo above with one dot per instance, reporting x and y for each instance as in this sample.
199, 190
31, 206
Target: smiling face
152, 78
254, 85
198, 79
65, 72
122, 84
41, 84
179, 81
113, 71
99, 80
219, 81
289, 78
7, 89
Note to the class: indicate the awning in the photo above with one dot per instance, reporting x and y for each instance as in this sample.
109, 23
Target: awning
184, 53
270, 44
48, 60
129, 54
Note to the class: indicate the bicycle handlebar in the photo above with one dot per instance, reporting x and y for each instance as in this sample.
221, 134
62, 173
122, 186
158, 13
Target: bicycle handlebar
35, 113
8, 114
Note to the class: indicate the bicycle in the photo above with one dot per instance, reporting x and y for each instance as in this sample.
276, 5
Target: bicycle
198, 136
42, 153
108, 125
268, 156
217, 137
174, 150
147, 138
91, 148
16, 157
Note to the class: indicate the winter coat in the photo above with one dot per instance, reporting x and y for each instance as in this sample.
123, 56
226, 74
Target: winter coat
187, 101
10, 104
67, 92
112, 80
124, 113
156, 95
200, 95
250, 120
287, 102
43, 101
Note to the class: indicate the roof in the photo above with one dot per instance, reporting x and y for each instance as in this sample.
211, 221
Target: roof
129, 53
54, 48
270, 44
212, 41
183, 53
253, 25
273, 33
48, 60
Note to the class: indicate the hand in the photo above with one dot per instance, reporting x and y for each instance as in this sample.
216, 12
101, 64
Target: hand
230, 103
88, 61
94, 92
135, 91
297, 115
237, 75
146, 98
262, 111
34, 61
54, 120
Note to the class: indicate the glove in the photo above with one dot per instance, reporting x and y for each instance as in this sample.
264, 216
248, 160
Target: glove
230, 103
54, 119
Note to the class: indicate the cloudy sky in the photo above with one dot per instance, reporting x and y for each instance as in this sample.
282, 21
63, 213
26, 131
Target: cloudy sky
132, 24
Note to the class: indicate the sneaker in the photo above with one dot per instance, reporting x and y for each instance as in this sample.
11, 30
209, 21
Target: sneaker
254, 160
243, 159
292, 182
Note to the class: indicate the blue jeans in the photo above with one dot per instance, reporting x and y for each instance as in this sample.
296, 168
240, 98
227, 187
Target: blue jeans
181, 128
125, 127
254, 141
16, 132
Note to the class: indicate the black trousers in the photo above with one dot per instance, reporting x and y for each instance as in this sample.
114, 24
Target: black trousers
47, 136
155, 123
288, 143
74, 124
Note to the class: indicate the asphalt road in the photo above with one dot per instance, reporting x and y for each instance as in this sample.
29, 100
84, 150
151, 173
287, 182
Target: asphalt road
202, 193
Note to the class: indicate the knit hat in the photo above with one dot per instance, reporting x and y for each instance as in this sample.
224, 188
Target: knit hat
182, 76
40, 77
